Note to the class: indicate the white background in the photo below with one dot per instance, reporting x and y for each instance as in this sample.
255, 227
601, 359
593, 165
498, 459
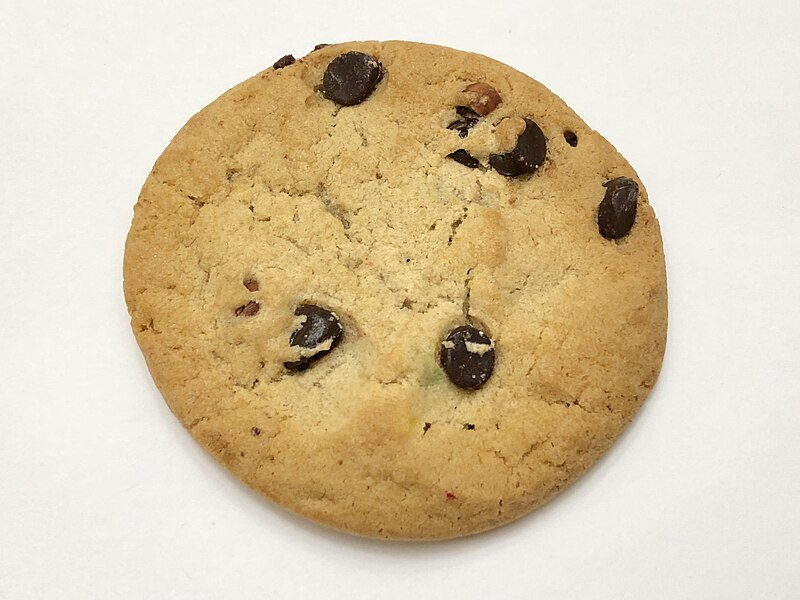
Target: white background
103, 495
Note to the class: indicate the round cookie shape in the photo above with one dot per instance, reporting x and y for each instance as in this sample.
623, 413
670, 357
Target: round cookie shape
400, 289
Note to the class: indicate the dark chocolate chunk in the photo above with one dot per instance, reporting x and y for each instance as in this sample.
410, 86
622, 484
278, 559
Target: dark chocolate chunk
467, 357
351, 77
283, 61
256, 431
320, 333
571, 138
465, 158
251, 285
320, 47
617, 211
527, 155
468, 118
247, 310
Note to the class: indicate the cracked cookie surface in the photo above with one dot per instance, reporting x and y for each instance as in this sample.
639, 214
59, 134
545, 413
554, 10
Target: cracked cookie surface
276, 198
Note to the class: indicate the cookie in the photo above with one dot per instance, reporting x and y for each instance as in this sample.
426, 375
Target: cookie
400, 289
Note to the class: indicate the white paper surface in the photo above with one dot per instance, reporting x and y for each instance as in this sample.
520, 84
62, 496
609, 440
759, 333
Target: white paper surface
103, 495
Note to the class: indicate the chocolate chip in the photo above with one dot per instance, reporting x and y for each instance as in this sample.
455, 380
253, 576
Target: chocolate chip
283, 61
351, 77
484, 98
465, 158
617, 211
247, 310
256, 431
251, 285
527, 155
467, 357
468, 119
320, 47
571, 138
319, 333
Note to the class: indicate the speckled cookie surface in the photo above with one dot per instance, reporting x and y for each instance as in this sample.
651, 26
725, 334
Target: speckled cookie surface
401, 217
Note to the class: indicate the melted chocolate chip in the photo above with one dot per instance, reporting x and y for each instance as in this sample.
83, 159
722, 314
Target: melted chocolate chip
617, 211
571, 138
320, 47
468, 118
467, 357
284, 61
320, 332
247, 310
527, 155
351, 77
465, 158
251, 285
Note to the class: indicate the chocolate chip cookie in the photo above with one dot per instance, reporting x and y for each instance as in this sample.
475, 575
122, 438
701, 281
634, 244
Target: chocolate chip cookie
400, 289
